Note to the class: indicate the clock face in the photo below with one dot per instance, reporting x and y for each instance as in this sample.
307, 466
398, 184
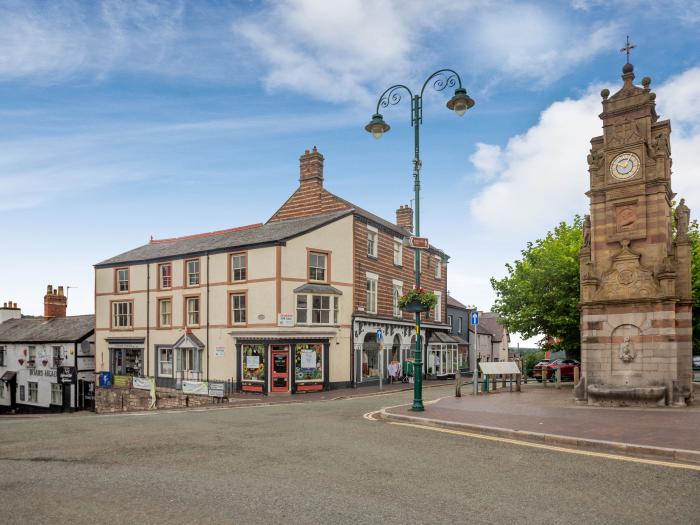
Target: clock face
624, 166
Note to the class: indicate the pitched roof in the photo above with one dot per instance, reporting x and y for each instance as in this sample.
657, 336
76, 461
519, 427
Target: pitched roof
488, 321
454, 303
55, 330
223, 240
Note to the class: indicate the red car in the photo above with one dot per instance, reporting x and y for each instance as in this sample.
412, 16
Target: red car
548, 369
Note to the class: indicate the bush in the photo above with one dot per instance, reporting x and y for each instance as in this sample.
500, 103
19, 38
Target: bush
530, 360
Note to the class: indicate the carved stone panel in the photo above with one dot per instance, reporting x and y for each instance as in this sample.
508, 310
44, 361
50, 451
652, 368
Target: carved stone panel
627, 278
626, 218
626, 348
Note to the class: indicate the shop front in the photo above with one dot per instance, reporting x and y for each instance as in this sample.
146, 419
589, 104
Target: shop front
126, 356
442, 356
282, 364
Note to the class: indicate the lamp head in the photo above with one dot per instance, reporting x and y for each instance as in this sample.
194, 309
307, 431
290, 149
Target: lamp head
377, 127
460, 102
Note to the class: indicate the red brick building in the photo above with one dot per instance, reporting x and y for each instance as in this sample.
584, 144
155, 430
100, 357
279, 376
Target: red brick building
383, 269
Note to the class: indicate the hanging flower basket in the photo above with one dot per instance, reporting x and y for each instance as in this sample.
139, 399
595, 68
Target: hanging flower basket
20, 361
417, 300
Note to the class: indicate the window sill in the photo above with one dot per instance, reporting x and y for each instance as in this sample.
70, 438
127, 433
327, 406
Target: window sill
370, 256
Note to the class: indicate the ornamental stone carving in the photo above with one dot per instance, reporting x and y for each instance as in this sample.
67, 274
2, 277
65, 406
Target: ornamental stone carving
627, 350
627, 278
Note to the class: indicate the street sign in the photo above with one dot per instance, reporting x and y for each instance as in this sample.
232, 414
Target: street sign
475, 318
419, 242
380, 335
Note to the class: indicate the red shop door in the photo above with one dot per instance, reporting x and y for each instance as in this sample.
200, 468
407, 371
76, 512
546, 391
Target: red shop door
280, 369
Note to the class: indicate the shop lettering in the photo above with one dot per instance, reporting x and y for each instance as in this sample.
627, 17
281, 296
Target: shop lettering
45, 373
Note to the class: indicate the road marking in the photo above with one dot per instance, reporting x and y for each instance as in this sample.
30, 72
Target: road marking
549, 447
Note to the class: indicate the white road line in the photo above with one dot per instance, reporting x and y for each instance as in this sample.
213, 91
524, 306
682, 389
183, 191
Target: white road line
552, 447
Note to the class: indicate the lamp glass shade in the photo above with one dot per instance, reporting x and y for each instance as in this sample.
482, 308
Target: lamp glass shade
377, 127
460, 102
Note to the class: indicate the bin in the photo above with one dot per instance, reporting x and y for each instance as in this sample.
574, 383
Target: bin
106, 380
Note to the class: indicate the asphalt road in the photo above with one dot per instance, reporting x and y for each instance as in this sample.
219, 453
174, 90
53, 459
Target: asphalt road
316, 462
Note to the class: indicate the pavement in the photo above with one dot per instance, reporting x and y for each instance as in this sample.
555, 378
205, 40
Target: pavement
543, 414
315, 462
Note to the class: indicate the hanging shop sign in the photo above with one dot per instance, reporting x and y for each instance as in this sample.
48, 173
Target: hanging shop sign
65, 374
419, 242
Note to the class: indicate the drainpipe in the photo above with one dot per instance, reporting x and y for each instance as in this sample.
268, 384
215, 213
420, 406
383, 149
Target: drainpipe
148, 318
207, 317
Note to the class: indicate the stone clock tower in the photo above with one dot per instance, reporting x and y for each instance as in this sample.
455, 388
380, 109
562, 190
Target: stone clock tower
636, 321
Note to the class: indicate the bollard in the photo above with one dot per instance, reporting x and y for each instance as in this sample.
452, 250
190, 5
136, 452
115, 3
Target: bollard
518, 387
543, 376
503, 380
577, 375
485, 387
557, 377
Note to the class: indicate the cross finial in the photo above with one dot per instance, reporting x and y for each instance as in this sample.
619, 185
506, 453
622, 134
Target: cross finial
629, 46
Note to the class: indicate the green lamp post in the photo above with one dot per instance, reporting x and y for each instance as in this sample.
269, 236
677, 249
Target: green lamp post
459, 103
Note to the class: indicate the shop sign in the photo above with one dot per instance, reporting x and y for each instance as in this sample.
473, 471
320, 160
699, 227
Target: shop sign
65, 374
219, 352
40, 372
195, 387
143, 383
285, 319
216, 390
419, 242
252, 362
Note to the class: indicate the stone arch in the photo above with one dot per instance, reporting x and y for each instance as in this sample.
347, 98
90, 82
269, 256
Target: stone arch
625, 351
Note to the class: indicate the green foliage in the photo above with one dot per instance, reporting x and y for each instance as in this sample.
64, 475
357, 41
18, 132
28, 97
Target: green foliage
540, 295
694, 234
530, 360
426, 298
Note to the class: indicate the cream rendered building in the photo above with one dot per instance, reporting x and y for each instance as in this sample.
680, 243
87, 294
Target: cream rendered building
266, 306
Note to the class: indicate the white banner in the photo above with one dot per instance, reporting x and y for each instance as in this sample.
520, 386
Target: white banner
252, 362
308, 359
144, 383
195, 387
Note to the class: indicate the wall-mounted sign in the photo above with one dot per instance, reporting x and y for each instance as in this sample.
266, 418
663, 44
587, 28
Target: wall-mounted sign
65, 374
252, 362
419, 242
285, 319
219, 352
216, 390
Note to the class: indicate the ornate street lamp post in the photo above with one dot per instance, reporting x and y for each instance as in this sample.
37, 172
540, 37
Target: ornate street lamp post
459, 103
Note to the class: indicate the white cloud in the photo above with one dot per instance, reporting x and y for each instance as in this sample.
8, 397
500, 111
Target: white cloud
540, 176
529, 41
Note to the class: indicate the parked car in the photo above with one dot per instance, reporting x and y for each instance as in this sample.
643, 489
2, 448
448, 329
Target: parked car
696, 362
548, 370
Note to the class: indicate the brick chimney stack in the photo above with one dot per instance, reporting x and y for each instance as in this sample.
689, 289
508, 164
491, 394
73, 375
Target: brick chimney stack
404, 217
55, 302
311, 169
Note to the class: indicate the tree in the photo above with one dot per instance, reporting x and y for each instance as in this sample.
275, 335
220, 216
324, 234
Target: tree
541, 293
694, 234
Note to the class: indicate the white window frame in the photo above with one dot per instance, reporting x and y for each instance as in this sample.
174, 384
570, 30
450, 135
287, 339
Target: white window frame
371, 305
161, 314
161, 277
124, 319
396, 288
32, 398
302, 309
242, 270
308, 311
438, 268
398, 251
450, 320
31, 356
320, 310
372, 241
438, 307
189, 313
242, 310
190, 274
169, 354
318, 267
192, 357
56, 352
121, 280
56, 394
459, 324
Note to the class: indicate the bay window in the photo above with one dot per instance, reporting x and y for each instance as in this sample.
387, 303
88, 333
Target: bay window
302, 306
323, 309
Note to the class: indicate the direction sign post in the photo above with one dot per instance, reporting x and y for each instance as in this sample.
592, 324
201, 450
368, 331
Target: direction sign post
475, 369
380, 340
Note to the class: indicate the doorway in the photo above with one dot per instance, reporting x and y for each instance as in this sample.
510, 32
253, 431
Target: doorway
280, 369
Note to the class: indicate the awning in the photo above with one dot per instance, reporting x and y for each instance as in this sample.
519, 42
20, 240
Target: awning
8, 376
442, 338
318, 288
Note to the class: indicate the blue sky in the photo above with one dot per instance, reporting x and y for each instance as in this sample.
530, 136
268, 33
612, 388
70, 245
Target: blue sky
122, 120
